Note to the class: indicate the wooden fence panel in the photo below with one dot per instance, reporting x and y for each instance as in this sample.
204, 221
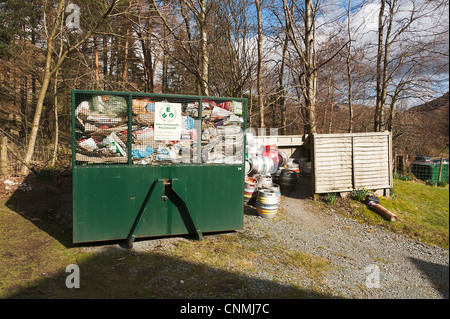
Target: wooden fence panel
332, 163
344, 162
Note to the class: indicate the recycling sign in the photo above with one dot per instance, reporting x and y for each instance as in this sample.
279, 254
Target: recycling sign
167, 121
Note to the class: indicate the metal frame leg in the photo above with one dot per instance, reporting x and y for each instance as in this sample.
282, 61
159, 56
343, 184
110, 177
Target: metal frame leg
131, 236
175, 193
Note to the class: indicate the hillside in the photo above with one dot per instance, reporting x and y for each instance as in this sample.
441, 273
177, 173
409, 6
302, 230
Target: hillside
424, 129
436, 104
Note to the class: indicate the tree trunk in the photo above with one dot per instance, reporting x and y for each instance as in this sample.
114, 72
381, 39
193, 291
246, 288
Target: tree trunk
259, 66
146, 45
125, 61
281, 87
349, 71
42, 92
165, 61
385, 80
250, 102
56, 140
24, 103
4, 156
48, 72
204, 50
379, 103
97, 73
310, 70
105, 61
330, 99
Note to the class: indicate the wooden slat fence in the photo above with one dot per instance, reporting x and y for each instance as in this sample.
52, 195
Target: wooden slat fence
349, 161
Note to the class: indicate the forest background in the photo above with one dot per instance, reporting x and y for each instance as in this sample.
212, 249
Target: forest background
306, 66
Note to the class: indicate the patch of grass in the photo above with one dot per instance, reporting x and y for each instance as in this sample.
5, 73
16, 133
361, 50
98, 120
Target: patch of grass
359, 194
216, 253
381, 260
423, 212
313, 265
243, 255
331, 198
27, 254
229, 252
405, 177
430, 182
442, 183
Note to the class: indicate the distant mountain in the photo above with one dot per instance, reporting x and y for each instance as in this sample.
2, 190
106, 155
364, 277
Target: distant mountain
436, 104
425, 128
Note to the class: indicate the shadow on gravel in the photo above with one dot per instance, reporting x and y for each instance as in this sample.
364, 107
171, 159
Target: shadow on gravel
438, 275
302, 189
250, 210
121, 273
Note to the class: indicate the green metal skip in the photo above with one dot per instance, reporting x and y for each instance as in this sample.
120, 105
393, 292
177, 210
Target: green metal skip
128, 201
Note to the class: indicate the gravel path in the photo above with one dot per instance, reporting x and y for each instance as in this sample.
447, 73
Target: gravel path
367, 262
359, 254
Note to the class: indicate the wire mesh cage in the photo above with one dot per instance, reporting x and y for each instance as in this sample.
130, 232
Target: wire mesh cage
149, 129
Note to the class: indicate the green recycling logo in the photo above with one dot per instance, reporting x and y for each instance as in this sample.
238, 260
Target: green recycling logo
168, 113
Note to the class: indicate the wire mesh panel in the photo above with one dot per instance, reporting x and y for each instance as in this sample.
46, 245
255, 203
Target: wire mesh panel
101, 124
151, 129
425, 171
165, 130
222, 132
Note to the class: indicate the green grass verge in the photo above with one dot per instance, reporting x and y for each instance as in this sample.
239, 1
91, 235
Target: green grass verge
423, 212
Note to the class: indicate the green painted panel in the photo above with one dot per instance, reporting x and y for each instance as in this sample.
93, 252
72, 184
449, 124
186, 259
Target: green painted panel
107, 200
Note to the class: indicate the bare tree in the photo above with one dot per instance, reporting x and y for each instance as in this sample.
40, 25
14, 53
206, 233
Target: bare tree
49, 72
199, 62
146, 26
399, 24
302, 37
259, 65
231, 67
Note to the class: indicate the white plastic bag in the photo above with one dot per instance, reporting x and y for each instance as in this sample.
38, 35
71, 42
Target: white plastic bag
89, 144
